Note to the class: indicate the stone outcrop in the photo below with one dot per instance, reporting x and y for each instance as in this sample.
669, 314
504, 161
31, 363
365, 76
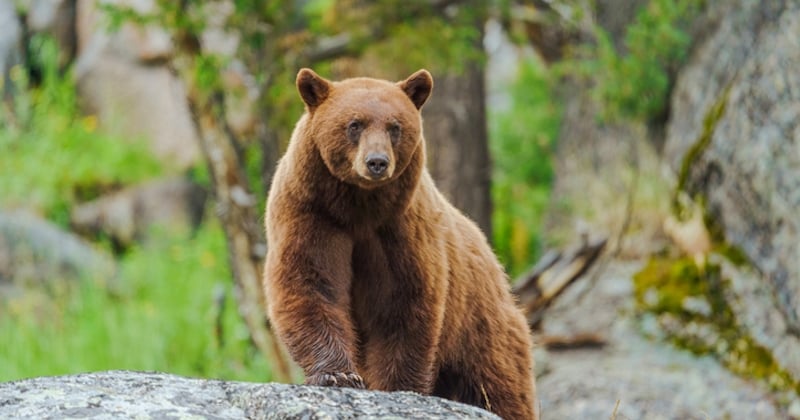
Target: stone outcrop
124, 394
122, 78
734, 141
126, 215
649, 378
607, 182
37, 253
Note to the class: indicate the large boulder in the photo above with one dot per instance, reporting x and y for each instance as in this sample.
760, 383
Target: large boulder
122, 78
125, 216
37, 253
122, 394
734, 141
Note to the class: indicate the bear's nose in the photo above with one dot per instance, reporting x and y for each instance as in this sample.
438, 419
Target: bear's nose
377, 163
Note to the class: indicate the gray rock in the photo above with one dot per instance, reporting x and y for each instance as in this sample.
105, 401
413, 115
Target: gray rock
749, 171
650, 379
598, 169
758, 315
123, 394
10, 43
133, 100
122, 78
38, 253
126, 215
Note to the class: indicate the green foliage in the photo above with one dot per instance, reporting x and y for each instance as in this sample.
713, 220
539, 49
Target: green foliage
636, 84
522, 142
161, 316
417, 36
161, 312
408, 46
50, 155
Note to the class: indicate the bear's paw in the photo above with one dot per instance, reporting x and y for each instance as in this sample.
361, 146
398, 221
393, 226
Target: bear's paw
341, 379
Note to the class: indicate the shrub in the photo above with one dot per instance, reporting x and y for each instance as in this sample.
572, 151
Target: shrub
50, 155
521, 142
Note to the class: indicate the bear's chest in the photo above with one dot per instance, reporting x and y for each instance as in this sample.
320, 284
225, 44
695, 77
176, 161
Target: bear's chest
373, 276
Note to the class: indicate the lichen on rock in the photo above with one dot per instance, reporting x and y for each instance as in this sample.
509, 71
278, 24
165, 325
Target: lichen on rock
125, 394
673, 288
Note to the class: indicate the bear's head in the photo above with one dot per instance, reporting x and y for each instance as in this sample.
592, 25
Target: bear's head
366, 130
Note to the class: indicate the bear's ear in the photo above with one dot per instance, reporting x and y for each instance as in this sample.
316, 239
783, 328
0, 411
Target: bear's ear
418, 87
313, 88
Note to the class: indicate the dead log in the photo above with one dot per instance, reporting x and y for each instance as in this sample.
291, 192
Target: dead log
572, 342
552, 275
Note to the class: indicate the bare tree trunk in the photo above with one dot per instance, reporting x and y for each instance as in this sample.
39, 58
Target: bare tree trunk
458, 150
236, 210
235, 204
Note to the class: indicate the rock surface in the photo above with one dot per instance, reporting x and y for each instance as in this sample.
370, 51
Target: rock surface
38, 253
126, 215
123, 394
735, 134
123, 79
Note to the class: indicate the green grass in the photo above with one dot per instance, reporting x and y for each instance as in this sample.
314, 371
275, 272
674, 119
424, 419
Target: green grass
161, 316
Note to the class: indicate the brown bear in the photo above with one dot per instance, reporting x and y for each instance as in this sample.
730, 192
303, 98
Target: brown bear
373, 279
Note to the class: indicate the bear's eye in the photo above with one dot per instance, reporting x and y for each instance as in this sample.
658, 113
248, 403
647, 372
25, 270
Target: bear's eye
394, 131
354, 129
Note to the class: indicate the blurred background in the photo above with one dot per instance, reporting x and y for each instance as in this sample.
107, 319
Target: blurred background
635, 164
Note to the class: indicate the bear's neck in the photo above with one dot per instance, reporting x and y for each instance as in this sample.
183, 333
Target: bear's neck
350, 206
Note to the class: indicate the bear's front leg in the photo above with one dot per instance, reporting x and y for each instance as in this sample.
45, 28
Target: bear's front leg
399, 304
307, 281
401, 357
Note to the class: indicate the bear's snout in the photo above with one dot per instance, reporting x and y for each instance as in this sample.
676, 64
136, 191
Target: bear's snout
377, 164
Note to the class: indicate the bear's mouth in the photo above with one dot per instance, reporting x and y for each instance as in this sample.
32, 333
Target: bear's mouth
370, 181
375, 177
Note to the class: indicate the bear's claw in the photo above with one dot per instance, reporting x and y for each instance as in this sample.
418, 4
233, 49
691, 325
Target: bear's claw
348, 379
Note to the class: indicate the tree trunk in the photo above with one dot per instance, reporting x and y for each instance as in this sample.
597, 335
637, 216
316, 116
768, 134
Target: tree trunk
236, 208
235, 204
458, 150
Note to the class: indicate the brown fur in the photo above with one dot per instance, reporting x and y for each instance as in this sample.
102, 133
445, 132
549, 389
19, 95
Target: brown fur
378, 276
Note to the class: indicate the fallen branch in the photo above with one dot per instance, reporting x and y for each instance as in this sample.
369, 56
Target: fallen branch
551, 276
572, 342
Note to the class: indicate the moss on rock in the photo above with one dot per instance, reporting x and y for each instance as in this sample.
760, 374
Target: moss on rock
690, 305
710, 121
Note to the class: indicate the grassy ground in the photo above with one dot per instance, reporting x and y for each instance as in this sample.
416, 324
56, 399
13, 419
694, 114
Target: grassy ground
162, 316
